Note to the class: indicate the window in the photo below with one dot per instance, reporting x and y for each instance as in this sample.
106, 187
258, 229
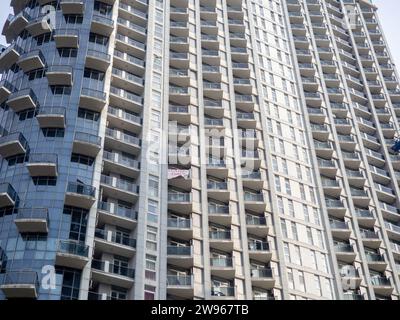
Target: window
297, 255
313, 259
283, 227
88, 114
153, 186
306, 214
152, 208
71, 281
317, 285
60, 90
286, 251
44, 181
149, 292
294, 230
309, 236
27, 114
82, 159
93, 74
151, 243
78, 222
36, 74
53, 132
281, 208
68, 53
291, 208
150, 272
287, 187
301, 281
73, 19
290, 278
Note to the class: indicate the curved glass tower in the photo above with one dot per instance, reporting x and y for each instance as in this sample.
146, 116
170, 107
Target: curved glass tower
201, 149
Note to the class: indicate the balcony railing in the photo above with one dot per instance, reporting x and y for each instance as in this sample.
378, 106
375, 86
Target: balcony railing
115, 237
180, 280
73, 247
82, 189
117, 210
113, 268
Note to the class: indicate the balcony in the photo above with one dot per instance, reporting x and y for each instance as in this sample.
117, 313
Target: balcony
120, 164
221, 240
119, 140
179, 77
51, 117
392, 230
262, 278
13, 144
259, 250
323, 149
59, 75
180, 285
382, 285
179, 43
120, 189
252, 180
257, 225
86, 144
340, 229
39, 26
254, 202
72, 254
350, 276
181, 256
106, 272
180, 228
102, 25
241, 69
360, 197
345, 252
15, 25
6, 88
223, 293
32, 220
80, 195
219, 214
8, 196
97, 60
107, 241
365, 218
126, 99
223, 267
180, 202
180, 114
376, 261
353, 296
22, 100
20, 284
370, 238
390, 212
42, 165
117, 215
10, 56
66, 38
93, 99
218, 190
126, 80
31, 60
74, 7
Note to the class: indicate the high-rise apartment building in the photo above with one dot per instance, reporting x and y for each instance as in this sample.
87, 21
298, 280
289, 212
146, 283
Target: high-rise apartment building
201, 149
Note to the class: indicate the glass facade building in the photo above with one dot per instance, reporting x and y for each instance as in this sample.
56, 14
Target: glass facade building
201, 149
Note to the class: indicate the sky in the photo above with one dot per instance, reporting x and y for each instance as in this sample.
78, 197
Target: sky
388, 13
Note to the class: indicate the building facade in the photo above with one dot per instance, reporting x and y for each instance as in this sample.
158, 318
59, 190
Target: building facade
201, 149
